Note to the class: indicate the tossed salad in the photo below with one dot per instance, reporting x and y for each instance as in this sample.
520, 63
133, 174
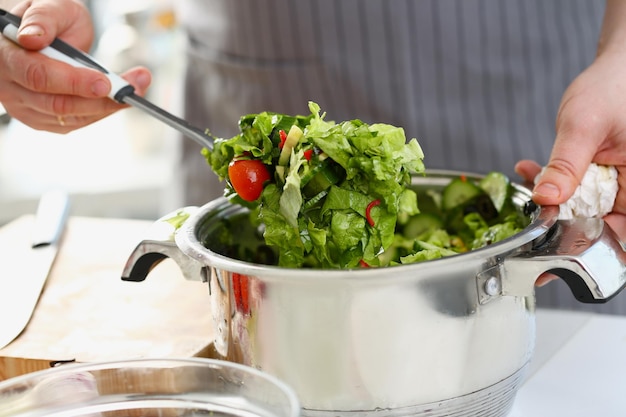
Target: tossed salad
338, 195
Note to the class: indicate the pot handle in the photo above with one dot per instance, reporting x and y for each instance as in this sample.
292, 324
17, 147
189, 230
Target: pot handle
158, 245
585, 252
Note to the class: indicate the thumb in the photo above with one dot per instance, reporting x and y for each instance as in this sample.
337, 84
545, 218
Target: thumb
556, 184
571, 156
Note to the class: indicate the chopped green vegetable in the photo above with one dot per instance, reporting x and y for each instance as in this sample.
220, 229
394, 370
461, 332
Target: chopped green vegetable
458, 192
467, 220
498, 186
340, 195
325, 174
178, 218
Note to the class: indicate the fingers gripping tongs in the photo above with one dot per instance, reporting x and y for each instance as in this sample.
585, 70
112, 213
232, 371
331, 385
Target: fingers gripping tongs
121, 90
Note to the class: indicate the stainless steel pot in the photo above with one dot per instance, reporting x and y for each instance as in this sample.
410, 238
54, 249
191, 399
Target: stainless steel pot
445, 337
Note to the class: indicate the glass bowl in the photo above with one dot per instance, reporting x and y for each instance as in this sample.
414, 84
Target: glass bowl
147, 388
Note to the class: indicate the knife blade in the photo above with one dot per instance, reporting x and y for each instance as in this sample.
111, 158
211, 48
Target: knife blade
121, 90
21, 288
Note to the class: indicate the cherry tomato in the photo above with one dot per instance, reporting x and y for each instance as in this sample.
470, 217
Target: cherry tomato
247, 177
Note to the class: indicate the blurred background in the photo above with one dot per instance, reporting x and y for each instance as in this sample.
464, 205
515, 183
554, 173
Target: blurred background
122, 166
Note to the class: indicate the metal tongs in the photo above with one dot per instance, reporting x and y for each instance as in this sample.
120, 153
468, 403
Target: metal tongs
121, 91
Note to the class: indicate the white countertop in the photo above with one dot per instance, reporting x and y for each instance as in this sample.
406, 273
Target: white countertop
578, 368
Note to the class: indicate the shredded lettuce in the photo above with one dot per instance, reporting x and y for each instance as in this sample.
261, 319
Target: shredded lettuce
329, 229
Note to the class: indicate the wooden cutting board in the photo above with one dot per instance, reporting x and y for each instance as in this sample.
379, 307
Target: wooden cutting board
86, 313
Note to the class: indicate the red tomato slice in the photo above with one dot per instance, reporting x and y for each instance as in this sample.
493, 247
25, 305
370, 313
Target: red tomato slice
247, 176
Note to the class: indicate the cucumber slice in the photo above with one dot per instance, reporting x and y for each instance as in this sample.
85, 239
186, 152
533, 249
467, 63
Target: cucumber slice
312, 172
498, 186
329, 174
420, 224
315, 200
457, 192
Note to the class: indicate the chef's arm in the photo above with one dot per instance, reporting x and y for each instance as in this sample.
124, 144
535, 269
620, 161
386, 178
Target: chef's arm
613, 34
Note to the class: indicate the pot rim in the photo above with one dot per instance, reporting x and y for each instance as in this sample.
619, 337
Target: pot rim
543, 218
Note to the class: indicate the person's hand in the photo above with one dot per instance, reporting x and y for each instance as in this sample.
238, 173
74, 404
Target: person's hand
46, 94
591, 127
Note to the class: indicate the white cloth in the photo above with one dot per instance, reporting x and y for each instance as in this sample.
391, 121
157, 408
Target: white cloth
595, 195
